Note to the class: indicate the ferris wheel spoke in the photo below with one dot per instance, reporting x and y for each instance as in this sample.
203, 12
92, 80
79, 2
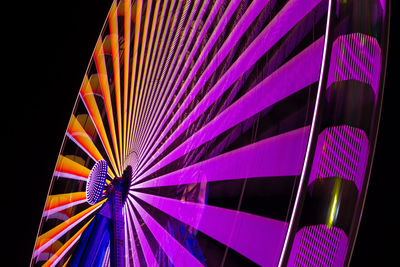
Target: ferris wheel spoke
282, 156
162, 48
133, 93
130, 243
162, 106
48, 238
78, 135
133, 142
114, 36
287, 18
268, 92
251, 13
105, 90
176, 253
164, 96
61, 252
68, 168
152, 47
168, 51
127, 40
144, 49
154, 39
56, 203
87, 95
147, 252
216, 33
253, 236
157, 103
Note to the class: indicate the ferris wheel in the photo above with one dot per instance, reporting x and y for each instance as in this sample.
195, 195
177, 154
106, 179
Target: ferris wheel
220, 133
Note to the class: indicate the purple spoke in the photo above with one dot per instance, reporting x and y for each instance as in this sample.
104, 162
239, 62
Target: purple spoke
148, 253
166, 41
288, 17
281, 155
272, 89
202, 34
258, 238
170, 81
241, 27
174, 250
129, 239
174, 52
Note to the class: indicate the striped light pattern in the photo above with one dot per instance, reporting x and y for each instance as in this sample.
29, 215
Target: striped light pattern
319, 245
358, 57
210, 102
342, 151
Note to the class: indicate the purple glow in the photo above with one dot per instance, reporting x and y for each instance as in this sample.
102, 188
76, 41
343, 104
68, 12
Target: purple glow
272, 89
216, 33
202, 34
148, 253
258, 238
319, 245
161, 106
149, 117
288, 17
129, 236
174, 250
281, 155
61, 233
357, 57
342, 151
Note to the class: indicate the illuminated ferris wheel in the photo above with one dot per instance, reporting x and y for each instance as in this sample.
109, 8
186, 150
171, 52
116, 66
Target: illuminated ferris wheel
220, 133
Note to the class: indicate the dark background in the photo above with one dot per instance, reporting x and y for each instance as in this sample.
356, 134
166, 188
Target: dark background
47, 48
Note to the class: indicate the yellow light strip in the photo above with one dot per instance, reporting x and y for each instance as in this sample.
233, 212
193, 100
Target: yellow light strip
78, 133
66, 246
113, 22
138, 90
89, 101
127, 38
51, 235
68, 166
105, 90
133, 94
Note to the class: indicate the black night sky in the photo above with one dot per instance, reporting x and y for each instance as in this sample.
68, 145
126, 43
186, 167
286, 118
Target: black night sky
48, 45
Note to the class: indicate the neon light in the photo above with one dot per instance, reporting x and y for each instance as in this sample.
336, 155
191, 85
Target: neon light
68, 168
319, 245
311, 136
113, 23
357, 57
133, 92
48, 238
341, 151
148, 254
66, 247
294, 11
174, 250
127, 34
204, 29
272, 157
105, 90
87, 96
56, 203
255, 237
271, 90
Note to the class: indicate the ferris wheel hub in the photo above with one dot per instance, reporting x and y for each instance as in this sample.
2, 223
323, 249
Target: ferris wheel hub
96, 182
